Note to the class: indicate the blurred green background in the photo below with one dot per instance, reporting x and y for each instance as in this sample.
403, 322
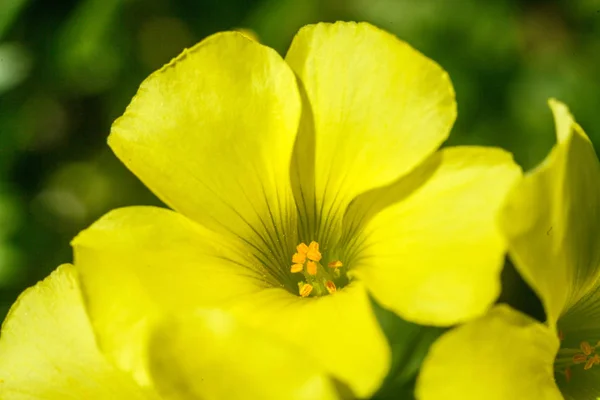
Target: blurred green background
69, 68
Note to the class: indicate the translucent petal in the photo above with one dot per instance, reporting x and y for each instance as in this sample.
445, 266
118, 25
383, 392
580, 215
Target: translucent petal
502, 355
137, 263
373, 109
212, 133
430, 247
339, 331
48, 350
210, 355
552, 220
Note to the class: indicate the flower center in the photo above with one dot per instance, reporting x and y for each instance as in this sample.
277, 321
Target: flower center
318, 279
569, 357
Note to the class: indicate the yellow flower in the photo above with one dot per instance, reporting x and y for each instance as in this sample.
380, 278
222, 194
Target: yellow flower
48, 351
297, 184
552, 222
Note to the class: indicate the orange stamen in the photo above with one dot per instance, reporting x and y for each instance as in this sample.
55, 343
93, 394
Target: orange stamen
561, 336
313, 251
568, 374
296, 268
586, 348
335, 264
302, 248
299, 258
579, 358
305, 290
330, 287
311, 268
590, 363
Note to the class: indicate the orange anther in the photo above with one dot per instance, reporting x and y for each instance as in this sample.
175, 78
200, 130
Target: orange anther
330, 287
296, 268
590, 363
305, 290
313, 251
302, 248
579, 358
561, 336
568, 374
586, 348
299, 258
311, 268
335, 264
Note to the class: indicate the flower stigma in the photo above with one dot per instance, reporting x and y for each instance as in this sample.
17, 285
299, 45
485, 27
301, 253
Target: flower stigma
319, 280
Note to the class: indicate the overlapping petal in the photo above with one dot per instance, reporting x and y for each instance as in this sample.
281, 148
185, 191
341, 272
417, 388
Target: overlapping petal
551, 220
431, 250
503, 355
140, 263
378, 108
339, 331
212, 133
209, 355
48, 350
137, 263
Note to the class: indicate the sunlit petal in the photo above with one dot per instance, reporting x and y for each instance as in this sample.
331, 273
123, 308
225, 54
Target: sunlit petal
209, 355
503, 355
377, 108
212, 133
137, 263
431, 250
339, 331
48, 350
552, 220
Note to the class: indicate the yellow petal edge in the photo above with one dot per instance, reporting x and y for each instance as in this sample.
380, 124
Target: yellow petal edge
502, 355
48, 350
551, 219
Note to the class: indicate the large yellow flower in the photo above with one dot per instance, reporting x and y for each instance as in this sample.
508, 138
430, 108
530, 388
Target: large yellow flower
552, 223
296, 185
48, 351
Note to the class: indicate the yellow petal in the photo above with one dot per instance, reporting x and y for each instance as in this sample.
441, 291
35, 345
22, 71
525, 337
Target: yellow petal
503, 355
212, 133
339, 331
563, 120
552, 220
136, 263
379, 108
48, 351
432, 252
210, 355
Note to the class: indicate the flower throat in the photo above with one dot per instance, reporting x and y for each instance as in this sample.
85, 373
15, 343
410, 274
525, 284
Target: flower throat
568, 358
318, 279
